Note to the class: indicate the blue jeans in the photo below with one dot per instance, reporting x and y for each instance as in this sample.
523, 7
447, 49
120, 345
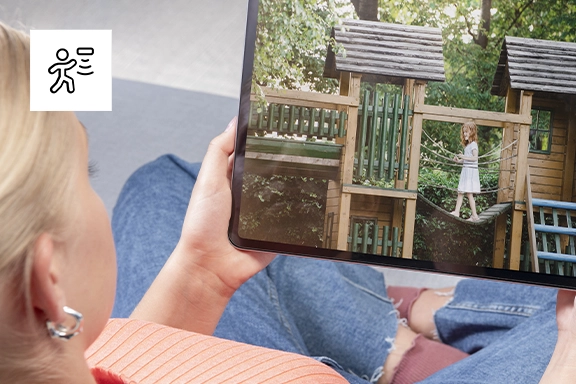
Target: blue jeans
336, 312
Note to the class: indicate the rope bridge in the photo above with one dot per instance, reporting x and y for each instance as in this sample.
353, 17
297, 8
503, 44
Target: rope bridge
484, 217
483, 166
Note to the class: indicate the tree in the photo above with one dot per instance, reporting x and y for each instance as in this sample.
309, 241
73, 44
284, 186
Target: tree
366, 9
292, 41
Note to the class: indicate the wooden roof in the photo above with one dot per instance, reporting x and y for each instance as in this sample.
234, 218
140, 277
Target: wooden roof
536, 65
389, 51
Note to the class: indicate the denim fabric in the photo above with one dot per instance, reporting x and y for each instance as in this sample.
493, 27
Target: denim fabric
509, 328
291, 305
336, 312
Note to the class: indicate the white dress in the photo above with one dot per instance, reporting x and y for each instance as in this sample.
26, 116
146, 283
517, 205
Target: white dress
469, 178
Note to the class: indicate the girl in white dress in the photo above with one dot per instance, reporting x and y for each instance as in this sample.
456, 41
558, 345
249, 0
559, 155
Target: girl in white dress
469, 178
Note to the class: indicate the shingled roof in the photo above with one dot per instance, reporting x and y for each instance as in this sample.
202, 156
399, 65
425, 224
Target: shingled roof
392, 51
536, 65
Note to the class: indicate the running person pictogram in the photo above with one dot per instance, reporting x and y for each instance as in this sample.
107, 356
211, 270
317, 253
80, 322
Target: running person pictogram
61, 68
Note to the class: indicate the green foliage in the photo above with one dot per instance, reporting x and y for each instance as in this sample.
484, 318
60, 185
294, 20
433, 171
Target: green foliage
292, 41
469, 66
289, 209
437, 237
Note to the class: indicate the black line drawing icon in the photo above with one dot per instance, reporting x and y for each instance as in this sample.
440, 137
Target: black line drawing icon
61, 68
83, 51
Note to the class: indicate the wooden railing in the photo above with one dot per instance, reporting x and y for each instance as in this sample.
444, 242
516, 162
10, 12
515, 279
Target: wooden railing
296, 121
382, 135
368, 238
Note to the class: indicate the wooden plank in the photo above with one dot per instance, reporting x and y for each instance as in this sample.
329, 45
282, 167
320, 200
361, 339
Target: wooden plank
292, 159
392, 56
375, 191
392, 27
293, 148
493, 119
361, 44
542, 163
504, 180
548, 181
539, 44
376, 67
349, 87
520, 180
413, 170
416, 137
548, 172
409, 221
538, 65
552, 157
547, 191
499, 241
306, 99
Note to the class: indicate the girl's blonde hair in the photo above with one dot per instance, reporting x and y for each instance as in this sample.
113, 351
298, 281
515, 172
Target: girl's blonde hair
473, 133
37, 155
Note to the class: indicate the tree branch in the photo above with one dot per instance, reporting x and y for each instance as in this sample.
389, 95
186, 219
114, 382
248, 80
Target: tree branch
519, 13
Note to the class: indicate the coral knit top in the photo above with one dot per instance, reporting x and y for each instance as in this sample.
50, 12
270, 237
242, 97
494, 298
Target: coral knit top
138, 352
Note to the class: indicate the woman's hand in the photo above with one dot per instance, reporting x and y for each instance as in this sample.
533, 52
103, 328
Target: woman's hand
204, 239
196, 283
562, 366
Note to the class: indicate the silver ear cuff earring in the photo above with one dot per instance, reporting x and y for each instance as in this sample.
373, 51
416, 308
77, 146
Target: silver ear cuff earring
60, 331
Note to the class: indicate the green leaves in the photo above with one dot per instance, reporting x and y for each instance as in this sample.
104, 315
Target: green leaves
292, 40
289, 209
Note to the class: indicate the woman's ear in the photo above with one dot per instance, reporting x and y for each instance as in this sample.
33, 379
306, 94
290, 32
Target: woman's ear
47, 293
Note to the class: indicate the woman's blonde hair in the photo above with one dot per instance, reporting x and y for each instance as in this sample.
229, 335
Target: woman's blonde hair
37, 155
473, 133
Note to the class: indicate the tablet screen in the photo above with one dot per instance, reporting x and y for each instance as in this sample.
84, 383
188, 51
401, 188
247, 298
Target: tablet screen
438, 137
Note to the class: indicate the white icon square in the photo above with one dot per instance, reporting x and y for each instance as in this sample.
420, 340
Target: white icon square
70, 70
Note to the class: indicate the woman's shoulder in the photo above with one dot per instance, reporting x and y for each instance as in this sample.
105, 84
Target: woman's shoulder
163, 352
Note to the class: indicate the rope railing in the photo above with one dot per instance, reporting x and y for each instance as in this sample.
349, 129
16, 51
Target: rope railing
460, 164
482, 191
487, 154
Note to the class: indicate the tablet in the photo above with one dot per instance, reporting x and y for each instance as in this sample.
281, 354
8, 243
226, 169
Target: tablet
439, 139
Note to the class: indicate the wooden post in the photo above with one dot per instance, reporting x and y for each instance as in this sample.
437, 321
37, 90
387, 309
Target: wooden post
504, 181
349, 86
398, 205
413, 170
570, 157
530, 219
520, 181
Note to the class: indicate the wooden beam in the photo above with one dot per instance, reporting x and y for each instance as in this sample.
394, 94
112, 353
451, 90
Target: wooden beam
398, 207
530, 218
413, 170
349, 86
520, 180
463, 115
499, 241
375, 191
293, 159
307, 99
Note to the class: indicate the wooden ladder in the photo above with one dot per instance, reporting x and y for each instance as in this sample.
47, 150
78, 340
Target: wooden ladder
557, 229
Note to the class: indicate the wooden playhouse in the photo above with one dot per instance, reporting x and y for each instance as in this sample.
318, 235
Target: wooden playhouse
537, 77
370, 137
